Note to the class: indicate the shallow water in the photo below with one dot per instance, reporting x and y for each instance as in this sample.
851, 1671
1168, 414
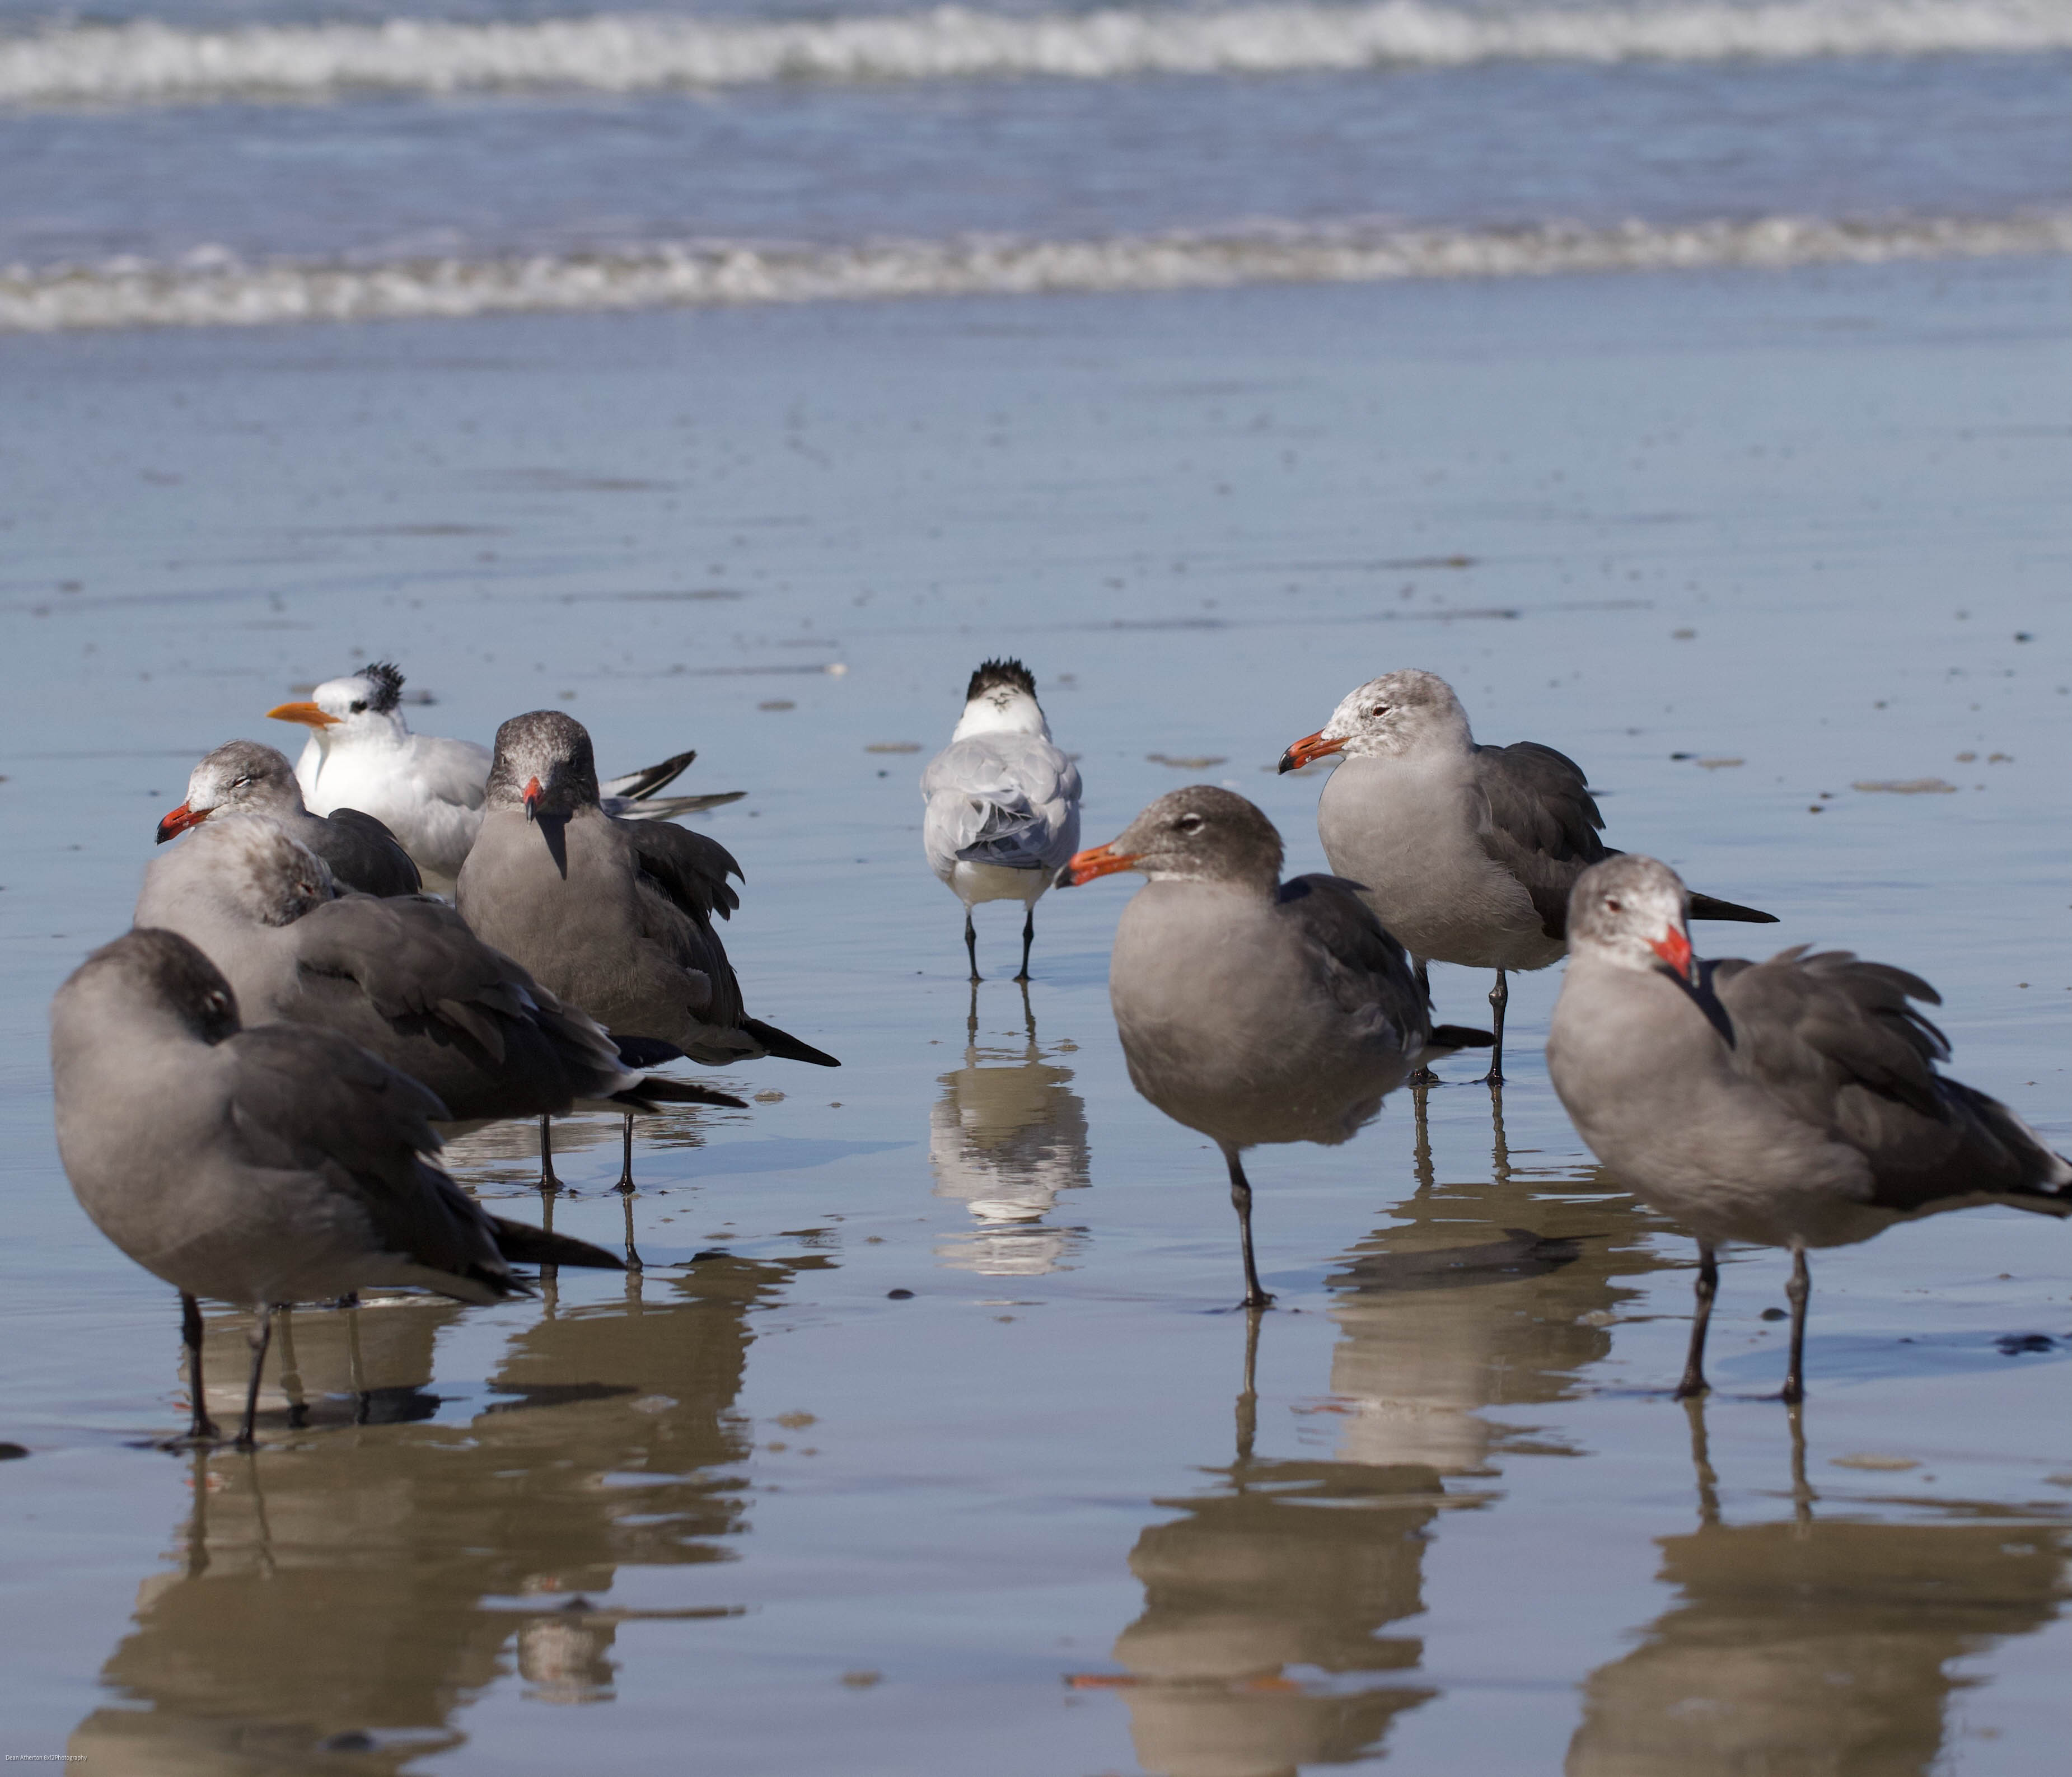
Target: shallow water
1031, 1516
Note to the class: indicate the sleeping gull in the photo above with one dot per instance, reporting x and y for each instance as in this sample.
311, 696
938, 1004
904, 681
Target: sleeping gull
258, 1167
244, 777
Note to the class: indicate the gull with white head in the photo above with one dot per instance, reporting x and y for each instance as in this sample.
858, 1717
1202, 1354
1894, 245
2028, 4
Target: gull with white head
1792, 1103
361, 753
1465, 852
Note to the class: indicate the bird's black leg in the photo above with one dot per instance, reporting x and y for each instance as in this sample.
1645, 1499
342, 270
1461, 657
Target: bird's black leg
1708, 1287
1241, 1202
971, 944
1797, 1292
625, 1189
261, 1336
201, 1428
291, 1374
1499, 998
1028, 938
1423, 1076
548, 1181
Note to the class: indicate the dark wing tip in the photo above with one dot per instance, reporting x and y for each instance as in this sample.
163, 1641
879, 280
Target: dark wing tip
1459, 1036
1707, 907
786, 1047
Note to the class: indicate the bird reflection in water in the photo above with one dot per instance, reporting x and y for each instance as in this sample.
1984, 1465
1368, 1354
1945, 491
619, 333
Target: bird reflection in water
1281, 1565
503, 1159
338, 1605
1497, 1292
1264, 1644
1006, 1136
1815, 1642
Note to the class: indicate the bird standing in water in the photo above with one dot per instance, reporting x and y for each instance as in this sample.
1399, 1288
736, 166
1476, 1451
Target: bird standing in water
1252, 1010
1792, 1103
1003, 802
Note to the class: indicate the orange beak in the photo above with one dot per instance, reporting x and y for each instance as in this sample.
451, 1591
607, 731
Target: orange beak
1674, 947
532, 795
1100, 861
1308, 750
306, 713
178, 820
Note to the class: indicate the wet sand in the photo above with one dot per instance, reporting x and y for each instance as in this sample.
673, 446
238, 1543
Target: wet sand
756, 1514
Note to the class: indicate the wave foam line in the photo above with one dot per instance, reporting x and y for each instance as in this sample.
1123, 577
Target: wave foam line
215, 290
150, 63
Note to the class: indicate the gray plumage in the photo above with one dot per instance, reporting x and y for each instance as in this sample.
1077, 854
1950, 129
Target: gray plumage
1792, 1103
257, 1167
1250, 1010
1466, 853
1002, 801
404, 977
613, 917
244, 777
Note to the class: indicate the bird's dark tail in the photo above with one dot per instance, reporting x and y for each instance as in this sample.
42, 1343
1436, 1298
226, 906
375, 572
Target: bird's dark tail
1706, 907
1450, 1036
2042, 1176
786, 1047
656, 1091
636, 786
523, 1244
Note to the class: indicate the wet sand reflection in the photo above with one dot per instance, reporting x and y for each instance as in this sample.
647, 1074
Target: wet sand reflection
1815, 1644
1264, 1645
1005, 1137
339, 1601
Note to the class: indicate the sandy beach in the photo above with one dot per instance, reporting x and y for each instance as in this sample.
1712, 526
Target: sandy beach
1756, 547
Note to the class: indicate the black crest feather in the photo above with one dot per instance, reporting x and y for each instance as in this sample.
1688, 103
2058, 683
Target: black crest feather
992, 672
386, 679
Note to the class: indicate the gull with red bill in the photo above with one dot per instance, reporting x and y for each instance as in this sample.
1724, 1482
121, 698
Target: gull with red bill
1254, 1010
362, 754
1794, 1103
242, 777
611, 915
1467, 854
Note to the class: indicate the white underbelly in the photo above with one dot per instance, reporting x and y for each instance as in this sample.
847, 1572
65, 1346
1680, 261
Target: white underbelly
977, 882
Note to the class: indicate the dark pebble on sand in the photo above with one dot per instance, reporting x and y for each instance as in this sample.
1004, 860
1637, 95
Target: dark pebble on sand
9, 1452
2016, 1344
1773, 1314
899, 1295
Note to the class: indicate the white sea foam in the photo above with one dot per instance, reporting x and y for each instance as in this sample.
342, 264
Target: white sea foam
214, 288
150, 63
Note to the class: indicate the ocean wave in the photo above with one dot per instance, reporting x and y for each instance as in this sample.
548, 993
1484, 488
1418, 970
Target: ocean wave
214, 289
150, 63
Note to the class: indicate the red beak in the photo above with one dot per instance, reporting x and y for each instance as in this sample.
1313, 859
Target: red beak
1308, 750
178, 820
1097, 861
532, 795
1674, 947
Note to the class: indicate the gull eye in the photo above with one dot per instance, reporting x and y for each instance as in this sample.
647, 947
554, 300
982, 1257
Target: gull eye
1378, 709
1612, 905
239, 781
357, 707
1189, 823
